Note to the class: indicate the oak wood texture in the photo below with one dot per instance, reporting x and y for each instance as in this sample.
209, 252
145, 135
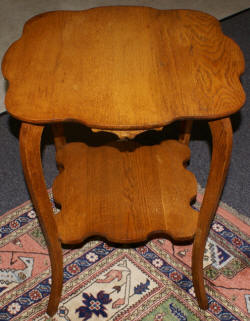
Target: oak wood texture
124, 194
222, 146
123, 68
30, 137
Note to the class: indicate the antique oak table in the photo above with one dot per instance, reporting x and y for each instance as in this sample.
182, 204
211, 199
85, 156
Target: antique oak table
123, 70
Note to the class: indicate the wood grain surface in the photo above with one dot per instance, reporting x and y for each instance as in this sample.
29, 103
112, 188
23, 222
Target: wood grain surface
30, 138
125, 192
222, 135
123, 68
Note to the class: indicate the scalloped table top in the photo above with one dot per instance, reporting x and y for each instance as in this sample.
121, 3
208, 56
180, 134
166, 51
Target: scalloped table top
123, 68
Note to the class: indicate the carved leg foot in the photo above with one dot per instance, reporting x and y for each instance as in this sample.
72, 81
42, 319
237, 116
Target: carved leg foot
222, 146
30, 138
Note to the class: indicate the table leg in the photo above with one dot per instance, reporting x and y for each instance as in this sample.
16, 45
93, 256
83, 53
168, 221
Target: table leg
59, 139
185, 131
222, 145
58, 133
30, 138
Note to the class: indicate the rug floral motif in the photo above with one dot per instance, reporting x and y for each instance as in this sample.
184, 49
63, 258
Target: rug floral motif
148, 283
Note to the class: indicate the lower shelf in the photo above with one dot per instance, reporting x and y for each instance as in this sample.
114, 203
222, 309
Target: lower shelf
125, 192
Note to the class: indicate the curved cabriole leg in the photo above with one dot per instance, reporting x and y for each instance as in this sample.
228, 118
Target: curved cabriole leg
185, 131
222, 145
30, 138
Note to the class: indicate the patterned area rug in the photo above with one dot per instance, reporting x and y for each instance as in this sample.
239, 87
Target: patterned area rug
147, 283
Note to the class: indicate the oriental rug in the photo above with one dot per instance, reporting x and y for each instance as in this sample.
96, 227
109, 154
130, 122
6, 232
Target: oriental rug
151, 282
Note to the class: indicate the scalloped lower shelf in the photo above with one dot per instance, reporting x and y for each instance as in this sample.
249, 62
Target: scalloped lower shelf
125, 192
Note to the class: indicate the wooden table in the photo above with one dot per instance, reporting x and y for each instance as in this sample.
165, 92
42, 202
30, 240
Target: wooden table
123, 70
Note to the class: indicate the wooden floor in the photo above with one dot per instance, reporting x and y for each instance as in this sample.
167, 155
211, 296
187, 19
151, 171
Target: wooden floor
124, 191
